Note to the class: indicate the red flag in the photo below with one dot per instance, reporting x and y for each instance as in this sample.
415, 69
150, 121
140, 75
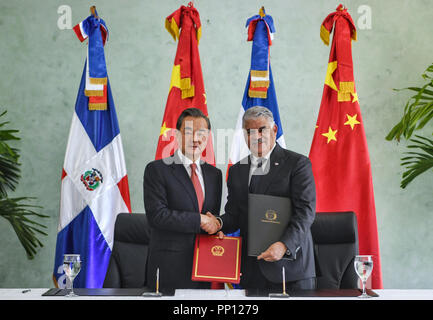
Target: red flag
186, 85
339, 152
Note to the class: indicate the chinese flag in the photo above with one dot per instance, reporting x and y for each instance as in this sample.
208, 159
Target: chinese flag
339, 152
186, 85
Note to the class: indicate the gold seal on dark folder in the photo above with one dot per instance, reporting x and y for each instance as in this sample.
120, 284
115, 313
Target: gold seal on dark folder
268, 218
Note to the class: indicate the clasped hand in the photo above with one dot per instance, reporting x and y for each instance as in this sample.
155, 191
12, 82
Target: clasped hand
209, 223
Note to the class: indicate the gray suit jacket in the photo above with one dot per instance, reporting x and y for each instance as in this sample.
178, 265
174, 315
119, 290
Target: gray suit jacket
290, 175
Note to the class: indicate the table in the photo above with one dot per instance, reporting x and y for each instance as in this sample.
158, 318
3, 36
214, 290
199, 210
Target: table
235, 294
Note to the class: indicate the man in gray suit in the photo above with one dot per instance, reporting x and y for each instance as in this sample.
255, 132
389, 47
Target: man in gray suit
284, 174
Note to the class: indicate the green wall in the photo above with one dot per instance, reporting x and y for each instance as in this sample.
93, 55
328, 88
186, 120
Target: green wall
41, 66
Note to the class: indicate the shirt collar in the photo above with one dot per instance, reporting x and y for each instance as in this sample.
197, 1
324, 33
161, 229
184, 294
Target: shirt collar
265, 158
187, 161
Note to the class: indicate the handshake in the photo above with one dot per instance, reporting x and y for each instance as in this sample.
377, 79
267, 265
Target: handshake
209, 223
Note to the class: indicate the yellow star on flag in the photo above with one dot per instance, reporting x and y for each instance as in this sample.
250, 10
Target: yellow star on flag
164, 130
351, 121
330, 134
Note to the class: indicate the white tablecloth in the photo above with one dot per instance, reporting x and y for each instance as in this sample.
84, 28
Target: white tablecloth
385, 294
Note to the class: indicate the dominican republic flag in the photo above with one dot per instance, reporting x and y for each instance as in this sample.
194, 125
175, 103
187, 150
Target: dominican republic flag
94, 190
259, 89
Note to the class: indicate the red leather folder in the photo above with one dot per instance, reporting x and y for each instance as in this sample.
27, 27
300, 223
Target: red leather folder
217, 260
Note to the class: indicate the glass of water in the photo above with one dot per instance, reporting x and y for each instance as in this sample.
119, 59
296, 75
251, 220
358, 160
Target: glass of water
71, 266
363, 268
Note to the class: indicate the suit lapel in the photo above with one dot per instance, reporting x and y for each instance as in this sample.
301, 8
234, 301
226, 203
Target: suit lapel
274, 163
207, 185
181, 174
244, 175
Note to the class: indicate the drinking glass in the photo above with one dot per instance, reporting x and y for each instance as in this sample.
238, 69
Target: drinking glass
71, 266
363, 268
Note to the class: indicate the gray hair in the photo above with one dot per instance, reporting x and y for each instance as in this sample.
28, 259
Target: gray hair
257, 112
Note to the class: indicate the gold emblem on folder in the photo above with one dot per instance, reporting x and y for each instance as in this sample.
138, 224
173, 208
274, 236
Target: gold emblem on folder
217, 251
271, 216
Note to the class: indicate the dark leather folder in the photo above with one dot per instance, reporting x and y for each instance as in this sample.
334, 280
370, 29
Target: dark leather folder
105, 292
268, 218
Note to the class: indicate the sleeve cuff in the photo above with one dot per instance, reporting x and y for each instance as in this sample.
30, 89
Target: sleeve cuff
221, 223
291, 256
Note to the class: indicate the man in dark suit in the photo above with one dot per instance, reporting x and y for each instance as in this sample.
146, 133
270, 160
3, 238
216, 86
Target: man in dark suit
275, 171
180, 195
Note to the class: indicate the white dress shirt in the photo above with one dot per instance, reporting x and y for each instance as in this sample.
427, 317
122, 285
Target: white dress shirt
255, 162
187, 162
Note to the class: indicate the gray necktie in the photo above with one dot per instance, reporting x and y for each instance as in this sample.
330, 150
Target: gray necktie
255, 177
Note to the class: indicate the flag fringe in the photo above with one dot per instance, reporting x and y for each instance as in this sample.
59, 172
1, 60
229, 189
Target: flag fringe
97, 106
260, 84
257, 94
354, 35
94, 93
343, 96
260, 73
198, 35
347, 89
185, 83
98, 80
347, 86
188, 93
172, 28
324, 35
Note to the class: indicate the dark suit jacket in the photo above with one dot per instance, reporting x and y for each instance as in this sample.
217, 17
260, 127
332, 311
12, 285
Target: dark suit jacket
290, 175
172, 211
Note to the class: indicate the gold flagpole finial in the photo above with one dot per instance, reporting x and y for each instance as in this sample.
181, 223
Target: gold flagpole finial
93, 11
262, 12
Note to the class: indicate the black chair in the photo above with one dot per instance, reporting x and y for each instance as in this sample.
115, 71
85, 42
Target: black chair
128, 261
335, 237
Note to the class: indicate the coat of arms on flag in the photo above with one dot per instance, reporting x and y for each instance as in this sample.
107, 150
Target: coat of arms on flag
94, 185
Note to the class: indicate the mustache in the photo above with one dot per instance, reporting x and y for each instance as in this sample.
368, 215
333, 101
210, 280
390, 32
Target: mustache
257, 141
